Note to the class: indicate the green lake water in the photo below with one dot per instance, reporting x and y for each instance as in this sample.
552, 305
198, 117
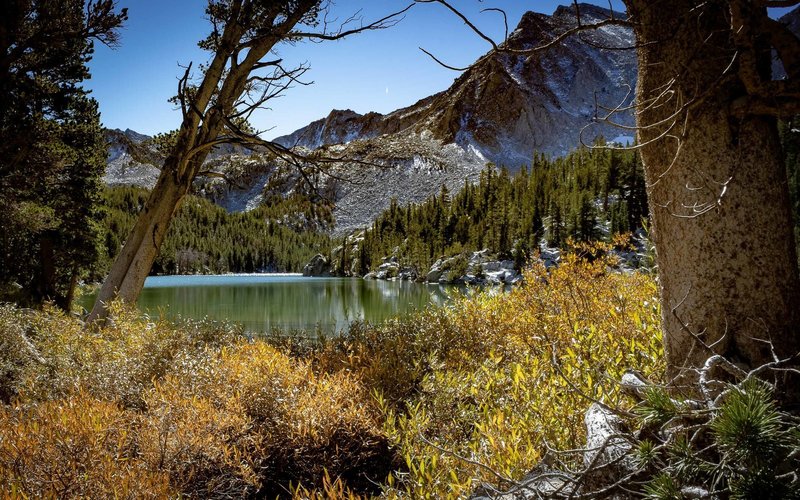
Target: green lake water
264, 302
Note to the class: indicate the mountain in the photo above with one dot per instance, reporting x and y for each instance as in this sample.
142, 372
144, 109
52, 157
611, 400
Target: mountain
132, 159
506, 106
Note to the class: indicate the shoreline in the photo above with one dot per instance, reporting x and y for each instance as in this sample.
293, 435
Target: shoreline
285, 275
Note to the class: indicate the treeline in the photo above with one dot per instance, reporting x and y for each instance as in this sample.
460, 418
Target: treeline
52, 152
587, 195
205, 238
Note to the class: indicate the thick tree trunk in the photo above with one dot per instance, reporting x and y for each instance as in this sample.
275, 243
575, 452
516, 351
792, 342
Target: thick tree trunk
130, 269
718, 194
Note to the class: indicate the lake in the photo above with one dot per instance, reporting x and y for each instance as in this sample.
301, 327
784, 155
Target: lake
266, 301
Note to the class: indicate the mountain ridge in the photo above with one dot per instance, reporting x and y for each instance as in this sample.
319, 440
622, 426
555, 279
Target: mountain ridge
505, 105
502, 109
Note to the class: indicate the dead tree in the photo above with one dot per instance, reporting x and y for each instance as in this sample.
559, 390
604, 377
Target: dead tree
239, 80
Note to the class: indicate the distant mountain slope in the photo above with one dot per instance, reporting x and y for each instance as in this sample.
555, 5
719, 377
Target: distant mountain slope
132, 159
506, 106
502, 109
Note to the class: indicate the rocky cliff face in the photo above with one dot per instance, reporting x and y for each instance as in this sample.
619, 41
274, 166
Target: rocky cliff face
503, 109
507, 105
132, 159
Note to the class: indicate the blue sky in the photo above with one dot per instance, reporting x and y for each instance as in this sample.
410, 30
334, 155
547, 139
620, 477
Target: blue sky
375, 71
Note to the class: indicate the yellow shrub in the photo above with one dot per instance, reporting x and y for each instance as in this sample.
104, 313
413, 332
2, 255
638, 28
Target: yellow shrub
446, 398
310, 422
331, 489
273, 414
208, 450
563, 339
215, 415
118, 362
18, 355
76, 447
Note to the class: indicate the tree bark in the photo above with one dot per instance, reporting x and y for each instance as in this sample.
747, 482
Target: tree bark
130, 269
718, 194
46, 289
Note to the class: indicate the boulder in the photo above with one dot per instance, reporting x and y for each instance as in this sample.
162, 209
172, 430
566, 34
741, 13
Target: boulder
388, 270
436, 272
491, 266
606, 449
318, 266
408, 274
479, 257
512, 277
550, 256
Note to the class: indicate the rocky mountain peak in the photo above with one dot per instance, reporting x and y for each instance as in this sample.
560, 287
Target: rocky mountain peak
503, 109
589, 13
134, 136
508, 105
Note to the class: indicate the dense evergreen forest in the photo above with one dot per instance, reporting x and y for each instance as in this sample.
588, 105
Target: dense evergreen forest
588, 195
205, 238
591, 194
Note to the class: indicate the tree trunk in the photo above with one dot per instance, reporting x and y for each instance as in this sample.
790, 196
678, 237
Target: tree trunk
718, 194
46, 289
66, 300
131, 267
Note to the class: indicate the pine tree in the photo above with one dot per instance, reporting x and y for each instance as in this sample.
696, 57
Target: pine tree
52, 150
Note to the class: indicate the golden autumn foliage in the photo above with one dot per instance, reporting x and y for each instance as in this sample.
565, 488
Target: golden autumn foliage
427, 406
75, 447
479, 390
193, 409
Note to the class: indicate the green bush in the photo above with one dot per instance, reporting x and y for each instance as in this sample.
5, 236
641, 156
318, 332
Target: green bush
742, 448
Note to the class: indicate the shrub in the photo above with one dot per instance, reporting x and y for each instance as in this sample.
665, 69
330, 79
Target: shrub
457, 267
744, 447
118, 362
308, 422
17, 352
208, 450
446, 398
75, 447
207, 413
562, 339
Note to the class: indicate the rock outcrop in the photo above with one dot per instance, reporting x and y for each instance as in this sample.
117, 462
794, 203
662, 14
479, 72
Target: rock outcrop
477, 269
318, 266
391, 269
132, 159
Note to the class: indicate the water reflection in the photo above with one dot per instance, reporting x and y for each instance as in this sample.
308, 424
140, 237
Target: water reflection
262, 303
